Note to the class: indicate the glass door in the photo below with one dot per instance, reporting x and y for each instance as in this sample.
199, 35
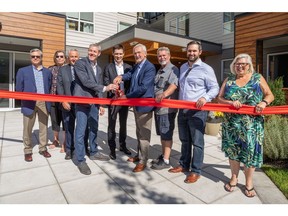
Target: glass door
5, 68
10, 62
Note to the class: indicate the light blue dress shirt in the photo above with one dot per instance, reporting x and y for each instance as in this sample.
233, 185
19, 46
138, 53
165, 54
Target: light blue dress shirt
199, 82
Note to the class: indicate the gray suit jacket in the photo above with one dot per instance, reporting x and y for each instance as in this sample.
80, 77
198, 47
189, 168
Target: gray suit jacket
86, 83
64, 81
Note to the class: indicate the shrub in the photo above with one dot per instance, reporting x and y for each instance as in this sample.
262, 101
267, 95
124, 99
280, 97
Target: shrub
275, 140
276, 87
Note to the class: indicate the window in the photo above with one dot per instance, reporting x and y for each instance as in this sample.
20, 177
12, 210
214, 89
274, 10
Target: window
180, 25
80, 21
228, 23
225, 68
123, 26
277, 66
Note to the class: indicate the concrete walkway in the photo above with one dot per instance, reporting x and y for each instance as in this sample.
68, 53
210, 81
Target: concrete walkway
58, 181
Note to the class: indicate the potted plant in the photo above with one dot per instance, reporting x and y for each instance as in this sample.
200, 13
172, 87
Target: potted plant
213, 123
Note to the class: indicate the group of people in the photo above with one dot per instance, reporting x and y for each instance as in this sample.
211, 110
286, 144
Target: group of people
242, 135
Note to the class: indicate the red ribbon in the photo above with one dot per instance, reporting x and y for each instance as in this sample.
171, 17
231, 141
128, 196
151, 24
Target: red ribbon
179, 104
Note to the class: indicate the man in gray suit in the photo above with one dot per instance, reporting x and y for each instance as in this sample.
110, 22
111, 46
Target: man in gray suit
89, 83
65, 86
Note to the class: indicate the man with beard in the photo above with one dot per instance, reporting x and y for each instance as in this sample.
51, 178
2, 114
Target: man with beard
198, 84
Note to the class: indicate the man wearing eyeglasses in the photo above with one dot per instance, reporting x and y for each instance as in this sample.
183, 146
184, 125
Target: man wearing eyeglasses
35, 79
198, 84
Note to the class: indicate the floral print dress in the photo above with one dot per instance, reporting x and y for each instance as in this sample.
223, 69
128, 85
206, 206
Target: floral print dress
243, 135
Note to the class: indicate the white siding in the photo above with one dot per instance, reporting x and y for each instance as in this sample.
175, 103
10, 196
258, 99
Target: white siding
127, 17
205, 26
105, 25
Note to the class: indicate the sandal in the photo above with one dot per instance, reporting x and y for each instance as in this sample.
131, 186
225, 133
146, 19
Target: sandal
249, 193
231, 187
54, 144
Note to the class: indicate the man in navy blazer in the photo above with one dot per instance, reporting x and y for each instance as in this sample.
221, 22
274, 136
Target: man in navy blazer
35, 79
142, 78
111, 71
89, 83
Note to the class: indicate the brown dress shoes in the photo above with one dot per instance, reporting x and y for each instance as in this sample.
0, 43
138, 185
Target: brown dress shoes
193, 177
46, 154
177, 169
139, 167
133, 159
28, 157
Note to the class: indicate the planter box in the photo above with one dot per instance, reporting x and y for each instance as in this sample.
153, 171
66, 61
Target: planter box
212, 129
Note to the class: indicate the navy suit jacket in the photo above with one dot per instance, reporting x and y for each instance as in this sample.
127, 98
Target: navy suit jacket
143, 85
86, 83
110, 73
25, 82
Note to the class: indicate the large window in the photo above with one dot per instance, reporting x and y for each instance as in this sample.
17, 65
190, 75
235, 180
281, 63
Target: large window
225, 68
180, 25
228, 22
80, 21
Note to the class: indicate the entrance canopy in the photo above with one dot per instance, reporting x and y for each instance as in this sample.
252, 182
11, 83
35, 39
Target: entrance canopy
153, 39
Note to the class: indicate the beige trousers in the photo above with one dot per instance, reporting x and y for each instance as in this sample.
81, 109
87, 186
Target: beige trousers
28, 123
143, 133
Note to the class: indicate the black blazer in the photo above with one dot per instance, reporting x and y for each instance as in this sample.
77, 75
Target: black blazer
110, 73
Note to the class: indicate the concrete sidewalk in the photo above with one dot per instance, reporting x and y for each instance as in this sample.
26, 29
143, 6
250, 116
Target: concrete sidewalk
58, 181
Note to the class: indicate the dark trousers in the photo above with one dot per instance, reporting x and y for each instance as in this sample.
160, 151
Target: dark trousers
191, 127
122, 112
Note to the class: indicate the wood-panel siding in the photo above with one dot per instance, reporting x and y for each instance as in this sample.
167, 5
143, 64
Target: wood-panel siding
49, 29
258, 26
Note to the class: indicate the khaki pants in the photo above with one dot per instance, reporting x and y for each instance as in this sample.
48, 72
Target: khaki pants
143, 133
28, 123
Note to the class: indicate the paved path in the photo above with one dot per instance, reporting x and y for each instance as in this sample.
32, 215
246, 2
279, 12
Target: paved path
58, 181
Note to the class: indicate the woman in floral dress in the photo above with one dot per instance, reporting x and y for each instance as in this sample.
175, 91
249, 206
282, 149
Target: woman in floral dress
243, 135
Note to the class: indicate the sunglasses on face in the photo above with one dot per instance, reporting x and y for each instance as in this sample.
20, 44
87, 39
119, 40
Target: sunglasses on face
59, 56
34, 56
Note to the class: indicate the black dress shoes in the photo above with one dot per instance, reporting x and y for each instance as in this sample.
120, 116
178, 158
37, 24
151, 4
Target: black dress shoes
68, 156
112, 154
125, 150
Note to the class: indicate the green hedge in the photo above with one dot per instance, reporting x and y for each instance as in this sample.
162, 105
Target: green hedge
276, 138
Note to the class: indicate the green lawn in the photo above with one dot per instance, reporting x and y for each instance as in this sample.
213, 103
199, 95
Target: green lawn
279, 176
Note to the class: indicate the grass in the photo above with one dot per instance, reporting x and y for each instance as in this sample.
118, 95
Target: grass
278, 175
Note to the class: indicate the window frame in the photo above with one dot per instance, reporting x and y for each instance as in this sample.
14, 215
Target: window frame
222, 67
230, 23
79, 21
177, 24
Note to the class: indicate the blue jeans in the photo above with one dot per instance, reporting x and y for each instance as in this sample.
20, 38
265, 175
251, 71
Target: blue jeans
86, 115
69, 124
191, 127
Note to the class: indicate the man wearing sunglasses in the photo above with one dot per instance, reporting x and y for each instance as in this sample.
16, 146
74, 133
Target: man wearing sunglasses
36, 79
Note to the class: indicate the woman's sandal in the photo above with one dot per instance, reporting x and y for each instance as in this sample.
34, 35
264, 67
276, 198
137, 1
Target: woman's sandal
249, 192
231, 187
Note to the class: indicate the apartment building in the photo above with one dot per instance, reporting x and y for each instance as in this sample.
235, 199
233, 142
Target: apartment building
223, 35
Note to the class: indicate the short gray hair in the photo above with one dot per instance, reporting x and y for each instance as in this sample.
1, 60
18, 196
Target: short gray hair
142, 46
36, 50
163, 49
95, 45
